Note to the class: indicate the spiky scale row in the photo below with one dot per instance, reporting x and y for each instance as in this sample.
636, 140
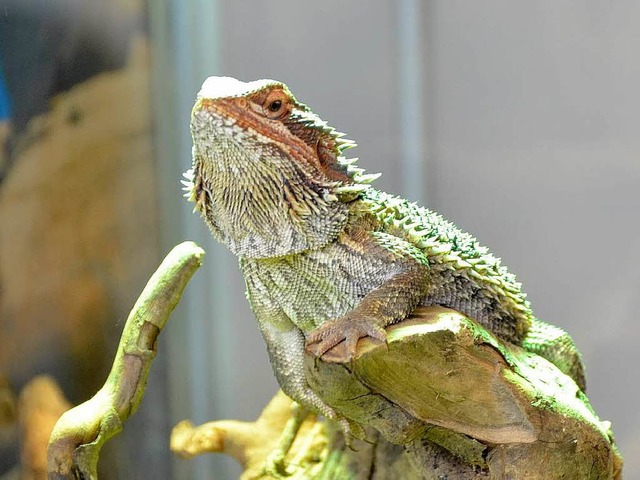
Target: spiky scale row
446, 245
306, 117
188, 186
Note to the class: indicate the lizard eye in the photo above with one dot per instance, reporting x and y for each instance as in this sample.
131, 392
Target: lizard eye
275, 105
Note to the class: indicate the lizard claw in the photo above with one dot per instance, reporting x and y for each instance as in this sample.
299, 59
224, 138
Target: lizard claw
348, 329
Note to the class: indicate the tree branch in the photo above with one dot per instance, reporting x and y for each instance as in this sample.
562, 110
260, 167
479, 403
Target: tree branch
443, 398
78, 436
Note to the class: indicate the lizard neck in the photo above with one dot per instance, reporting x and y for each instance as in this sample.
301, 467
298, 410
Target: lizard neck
264, 215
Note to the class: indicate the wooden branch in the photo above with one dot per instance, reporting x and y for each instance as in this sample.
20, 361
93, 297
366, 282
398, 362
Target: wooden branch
250, 443
78, 436
445, 380
443, 399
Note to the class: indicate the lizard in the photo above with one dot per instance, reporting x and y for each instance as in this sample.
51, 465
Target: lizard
326, 257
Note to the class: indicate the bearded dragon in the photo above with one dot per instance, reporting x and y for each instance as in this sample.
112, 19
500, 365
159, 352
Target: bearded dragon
326, 257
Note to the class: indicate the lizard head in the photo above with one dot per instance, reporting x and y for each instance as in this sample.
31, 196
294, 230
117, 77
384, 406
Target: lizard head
268, 176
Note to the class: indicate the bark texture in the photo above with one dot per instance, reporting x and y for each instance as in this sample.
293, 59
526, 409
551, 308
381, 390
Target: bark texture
443, 399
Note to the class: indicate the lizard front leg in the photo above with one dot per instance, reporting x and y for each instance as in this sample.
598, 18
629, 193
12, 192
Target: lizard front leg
390, 302
285, 344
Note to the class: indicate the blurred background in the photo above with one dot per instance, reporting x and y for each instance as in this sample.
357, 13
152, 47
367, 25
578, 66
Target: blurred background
516, 120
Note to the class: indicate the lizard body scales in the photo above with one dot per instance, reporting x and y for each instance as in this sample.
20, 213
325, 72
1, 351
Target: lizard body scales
326, 257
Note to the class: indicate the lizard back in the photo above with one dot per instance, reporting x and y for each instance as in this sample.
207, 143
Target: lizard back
464, 275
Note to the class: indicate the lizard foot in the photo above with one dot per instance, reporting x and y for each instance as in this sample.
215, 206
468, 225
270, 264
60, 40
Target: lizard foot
352, 431
349, 329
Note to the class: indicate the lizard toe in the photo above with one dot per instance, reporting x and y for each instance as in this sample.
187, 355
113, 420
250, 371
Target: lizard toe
348, 329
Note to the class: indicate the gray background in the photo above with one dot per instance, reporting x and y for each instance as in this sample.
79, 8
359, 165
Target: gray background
527, 135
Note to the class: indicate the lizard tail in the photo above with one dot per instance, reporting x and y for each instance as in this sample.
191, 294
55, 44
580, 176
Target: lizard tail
555, 345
